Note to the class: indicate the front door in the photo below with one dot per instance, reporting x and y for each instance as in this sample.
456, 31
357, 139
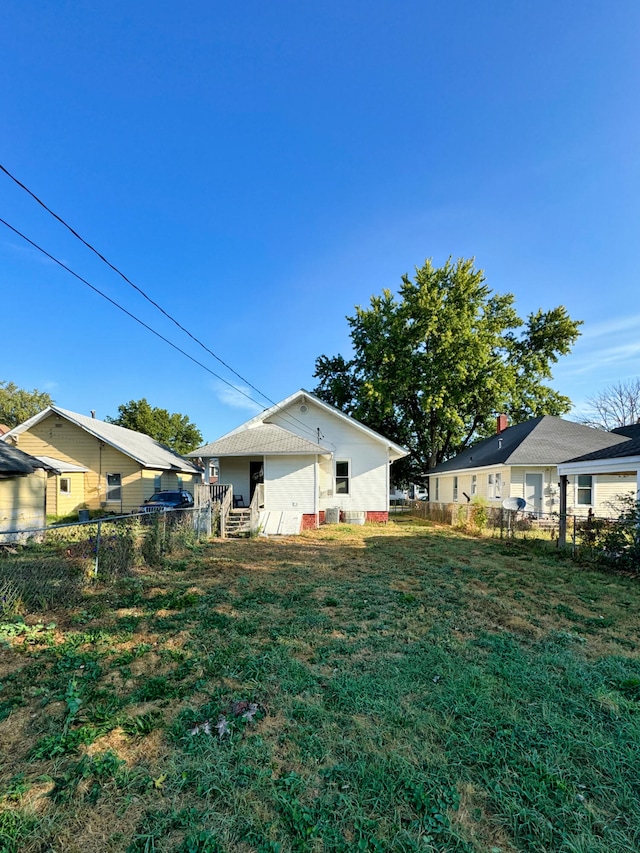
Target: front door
533, 491
256, 475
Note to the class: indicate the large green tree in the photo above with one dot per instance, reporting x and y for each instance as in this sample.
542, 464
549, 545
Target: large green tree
18, 405
433, 365
174, 430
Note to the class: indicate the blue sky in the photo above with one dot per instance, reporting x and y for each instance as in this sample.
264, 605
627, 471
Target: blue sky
261, 168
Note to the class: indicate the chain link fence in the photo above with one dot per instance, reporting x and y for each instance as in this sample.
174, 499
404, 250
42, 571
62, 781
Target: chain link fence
607, 541
48, 567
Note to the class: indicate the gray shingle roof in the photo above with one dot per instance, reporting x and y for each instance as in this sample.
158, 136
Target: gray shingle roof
631, 430
15, 461
396, 451
540, 441
144, 449
267, 439
631, 447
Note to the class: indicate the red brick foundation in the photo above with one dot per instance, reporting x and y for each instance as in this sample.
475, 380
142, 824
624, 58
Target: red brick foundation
380, 517
309, 520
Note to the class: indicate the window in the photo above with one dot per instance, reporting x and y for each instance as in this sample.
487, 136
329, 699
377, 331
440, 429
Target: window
65, 485
179, 484
474, 484
455, 488
157, 483
437, 488
114, 487
342, 477
494, 483
585, 489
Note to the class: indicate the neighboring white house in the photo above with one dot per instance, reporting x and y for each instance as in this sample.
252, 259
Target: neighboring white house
618, 463
523, 461
311, 459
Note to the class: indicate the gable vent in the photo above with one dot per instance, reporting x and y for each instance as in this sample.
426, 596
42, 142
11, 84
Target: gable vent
304, 409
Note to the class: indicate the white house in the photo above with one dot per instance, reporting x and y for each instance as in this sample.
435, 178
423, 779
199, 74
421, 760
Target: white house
618, 463
524, 461
310, 461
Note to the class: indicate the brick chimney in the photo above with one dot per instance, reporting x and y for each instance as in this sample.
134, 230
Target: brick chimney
501, 424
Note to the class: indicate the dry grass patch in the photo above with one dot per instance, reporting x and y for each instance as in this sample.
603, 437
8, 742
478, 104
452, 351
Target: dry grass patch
418, 689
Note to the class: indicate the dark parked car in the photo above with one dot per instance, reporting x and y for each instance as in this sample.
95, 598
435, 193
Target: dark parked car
167, 500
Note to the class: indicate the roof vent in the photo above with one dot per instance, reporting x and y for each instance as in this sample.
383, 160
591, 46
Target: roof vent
304, 409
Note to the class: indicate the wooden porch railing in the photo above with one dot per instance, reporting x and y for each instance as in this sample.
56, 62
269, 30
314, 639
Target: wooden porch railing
257, 501
219, 496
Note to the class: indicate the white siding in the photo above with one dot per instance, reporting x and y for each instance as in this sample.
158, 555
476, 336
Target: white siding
606, 492
289, 483
234, 470
369, 485
606, 489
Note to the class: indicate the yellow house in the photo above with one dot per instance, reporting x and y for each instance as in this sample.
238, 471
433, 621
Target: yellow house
23, 482
99, 466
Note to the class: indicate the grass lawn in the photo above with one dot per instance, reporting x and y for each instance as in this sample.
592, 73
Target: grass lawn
381, 688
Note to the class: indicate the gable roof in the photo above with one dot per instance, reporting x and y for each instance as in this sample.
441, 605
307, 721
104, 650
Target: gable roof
545, 440
142, 448
630, 430
622, 450
269, 439
14, 461
396, 451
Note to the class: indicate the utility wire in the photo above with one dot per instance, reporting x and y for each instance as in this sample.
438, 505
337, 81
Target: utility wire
138, 320
124, 310
145, 295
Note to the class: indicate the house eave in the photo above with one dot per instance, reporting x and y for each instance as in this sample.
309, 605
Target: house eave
617, 465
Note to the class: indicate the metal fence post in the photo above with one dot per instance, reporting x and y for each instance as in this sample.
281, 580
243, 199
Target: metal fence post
95, 571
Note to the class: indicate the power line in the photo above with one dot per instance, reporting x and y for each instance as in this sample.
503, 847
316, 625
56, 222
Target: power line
147, 297
129, 282
124, 310
141, 322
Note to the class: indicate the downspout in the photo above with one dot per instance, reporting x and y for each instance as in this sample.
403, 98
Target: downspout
316, 485
388, 481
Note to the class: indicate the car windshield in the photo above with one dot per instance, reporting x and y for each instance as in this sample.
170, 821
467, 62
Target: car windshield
165, 496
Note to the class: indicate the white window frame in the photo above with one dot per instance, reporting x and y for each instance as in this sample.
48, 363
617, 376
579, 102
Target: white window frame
342, 477
67, 482
474, 484
110, 487
590, 488
494, 485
